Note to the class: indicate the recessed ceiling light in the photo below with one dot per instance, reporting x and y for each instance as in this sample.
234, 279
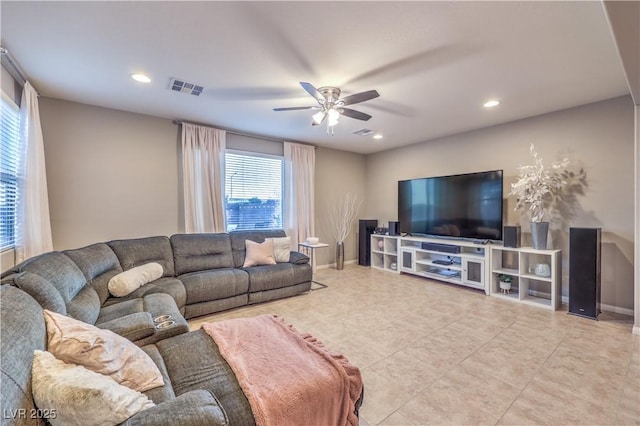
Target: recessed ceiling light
491, 104
377, 136
141, 78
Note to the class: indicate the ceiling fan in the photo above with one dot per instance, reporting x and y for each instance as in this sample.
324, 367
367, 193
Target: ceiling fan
331, 106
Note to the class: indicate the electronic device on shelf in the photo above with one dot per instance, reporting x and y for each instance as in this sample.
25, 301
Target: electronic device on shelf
458, 206
443, 262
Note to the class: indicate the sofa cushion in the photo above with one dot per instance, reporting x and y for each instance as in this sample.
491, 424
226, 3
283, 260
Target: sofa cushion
23, 331
118, 310
76, 394
198, 407
238, 239
200, 252
161, 393
98, 263
194, 362
269, 277
85, 306
132, 279
259, 253
214, 284
101, 351
138, 251
59, 270
41, 290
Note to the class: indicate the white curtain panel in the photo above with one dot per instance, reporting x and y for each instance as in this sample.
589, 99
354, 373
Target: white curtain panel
33, 227
203, 178
299, 171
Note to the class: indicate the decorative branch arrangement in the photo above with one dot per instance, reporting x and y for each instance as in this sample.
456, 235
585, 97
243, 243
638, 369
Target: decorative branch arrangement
537, 187
342, 215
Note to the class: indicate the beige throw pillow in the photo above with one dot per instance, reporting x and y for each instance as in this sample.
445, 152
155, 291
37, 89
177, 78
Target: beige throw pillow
79, 396
258, 253
102, 351
281, 248
129, 281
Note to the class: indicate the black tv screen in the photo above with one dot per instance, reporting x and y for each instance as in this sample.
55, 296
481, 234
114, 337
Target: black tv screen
461, 206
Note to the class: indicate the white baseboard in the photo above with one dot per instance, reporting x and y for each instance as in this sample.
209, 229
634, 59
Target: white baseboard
333, 265
603, 306
636, 330
616, 309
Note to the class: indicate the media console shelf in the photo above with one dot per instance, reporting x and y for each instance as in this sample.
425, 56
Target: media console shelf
384, 252
453, 261
536, 275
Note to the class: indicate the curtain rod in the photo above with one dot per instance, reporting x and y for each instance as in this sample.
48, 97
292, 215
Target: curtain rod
12, 66
235, 132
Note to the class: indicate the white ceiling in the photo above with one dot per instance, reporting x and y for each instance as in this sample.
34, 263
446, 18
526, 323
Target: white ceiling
433, 63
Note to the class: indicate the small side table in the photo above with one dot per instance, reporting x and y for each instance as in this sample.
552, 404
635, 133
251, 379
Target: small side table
309, 249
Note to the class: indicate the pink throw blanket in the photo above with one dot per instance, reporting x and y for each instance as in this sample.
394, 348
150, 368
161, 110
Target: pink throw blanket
289, 378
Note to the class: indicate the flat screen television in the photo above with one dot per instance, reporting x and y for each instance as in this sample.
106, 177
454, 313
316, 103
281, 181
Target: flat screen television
458, 206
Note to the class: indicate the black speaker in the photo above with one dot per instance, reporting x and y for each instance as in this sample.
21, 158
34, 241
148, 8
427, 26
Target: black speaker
394, 228
511, 236
584, 272
366, 228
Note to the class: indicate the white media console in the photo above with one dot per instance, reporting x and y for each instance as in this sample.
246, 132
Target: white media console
474, 265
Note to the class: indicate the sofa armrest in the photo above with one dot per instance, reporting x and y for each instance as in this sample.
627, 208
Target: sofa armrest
195, 408
133, 326
298, 258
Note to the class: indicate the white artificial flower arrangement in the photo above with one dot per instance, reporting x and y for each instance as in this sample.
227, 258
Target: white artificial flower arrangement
537, 187
342, 215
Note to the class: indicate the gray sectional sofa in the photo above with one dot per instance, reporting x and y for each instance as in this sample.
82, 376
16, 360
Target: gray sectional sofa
202, 274
199, 386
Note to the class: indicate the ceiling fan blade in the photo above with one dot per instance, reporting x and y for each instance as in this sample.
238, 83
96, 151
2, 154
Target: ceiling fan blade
352, 113
293, 108
312, 91
359, 97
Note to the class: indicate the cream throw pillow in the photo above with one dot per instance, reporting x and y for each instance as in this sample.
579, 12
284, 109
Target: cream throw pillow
281, 248
258, 253
129, 281
79, 396
102, 351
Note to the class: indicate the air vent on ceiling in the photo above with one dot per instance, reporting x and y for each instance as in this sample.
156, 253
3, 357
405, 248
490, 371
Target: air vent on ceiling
179, 85
364, 132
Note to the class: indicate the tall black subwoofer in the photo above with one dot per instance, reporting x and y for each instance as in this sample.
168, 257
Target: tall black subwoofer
366, 228
584, 272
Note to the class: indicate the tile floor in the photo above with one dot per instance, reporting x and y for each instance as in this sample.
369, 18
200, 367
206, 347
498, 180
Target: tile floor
432, 353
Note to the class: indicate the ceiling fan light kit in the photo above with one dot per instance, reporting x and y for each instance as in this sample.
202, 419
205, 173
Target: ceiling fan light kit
332, 106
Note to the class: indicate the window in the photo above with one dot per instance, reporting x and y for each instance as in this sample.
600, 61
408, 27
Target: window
10, 147
253, 191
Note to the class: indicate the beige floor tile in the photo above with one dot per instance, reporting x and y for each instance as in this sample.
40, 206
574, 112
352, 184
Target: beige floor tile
434, 354
460, 398
383, 395
629, 407
542, 404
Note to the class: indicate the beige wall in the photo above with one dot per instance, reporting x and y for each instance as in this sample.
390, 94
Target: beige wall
599, 136
111, 174
337, 173
114, 174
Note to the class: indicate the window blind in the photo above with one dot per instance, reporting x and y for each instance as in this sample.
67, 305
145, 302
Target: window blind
9, 162
253, 191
